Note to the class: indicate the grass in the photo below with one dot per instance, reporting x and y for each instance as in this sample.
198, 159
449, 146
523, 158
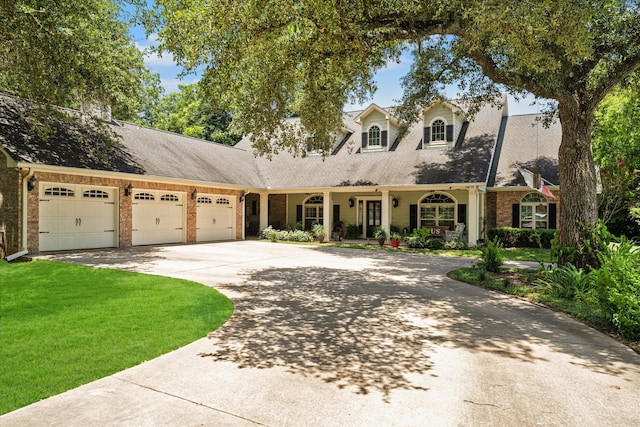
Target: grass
65, 325
512, 254
521, 282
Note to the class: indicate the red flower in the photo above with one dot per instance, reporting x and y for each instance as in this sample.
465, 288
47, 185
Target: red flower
602, 169
621, 163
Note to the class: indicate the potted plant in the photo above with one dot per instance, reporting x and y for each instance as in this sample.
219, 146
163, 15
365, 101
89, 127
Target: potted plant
318, 232
380, 234
395, 239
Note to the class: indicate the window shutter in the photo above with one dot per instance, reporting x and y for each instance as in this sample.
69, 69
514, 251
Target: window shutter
449, 133
427, 135
383, 138
336, 214
413, 217
298, 213
365, 135
515, 215
462, 213
553, 215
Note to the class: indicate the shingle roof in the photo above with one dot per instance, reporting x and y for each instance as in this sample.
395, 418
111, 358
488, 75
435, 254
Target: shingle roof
467, 162
527, 142
118, 147
151, 152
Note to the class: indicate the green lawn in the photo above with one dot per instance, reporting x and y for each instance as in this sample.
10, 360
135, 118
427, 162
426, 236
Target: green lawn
63, 325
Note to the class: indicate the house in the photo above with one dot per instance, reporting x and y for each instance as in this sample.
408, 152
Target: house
76, 184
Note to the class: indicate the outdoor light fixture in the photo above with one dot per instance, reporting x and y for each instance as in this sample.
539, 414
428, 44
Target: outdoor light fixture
394, 201
31, 184
127, 189
194, 194
352, 202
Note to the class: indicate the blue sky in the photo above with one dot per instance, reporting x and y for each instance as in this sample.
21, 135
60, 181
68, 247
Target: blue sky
387, 79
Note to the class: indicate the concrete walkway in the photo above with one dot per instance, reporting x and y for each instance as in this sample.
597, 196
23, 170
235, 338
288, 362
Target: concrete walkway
325, 336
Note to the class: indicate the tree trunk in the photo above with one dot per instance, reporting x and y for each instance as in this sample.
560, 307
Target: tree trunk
579, 205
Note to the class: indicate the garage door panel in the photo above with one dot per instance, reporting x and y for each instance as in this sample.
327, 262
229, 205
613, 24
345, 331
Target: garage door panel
215, 218
69, 220
158, 217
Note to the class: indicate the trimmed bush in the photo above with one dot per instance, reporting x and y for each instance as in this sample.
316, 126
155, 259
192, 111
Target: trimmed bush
522, 237
272, 234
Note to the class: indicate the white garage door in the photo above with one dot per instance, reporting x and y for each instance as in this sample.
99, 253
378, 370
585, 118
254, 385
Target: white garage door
216, 218
76, 217
157, 217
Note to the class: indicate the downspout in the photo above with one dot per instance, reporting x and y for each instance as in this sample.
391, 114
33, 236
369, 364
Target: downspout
25, 193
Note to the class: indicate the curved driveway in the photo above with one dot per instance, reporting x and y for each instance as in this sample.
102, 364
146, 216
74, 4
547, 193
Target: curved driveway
325, 336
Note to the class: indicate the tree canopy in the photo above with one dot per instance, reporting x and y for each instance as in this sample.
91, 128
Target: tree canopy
266, 59
191, 113
616, 150
70, 53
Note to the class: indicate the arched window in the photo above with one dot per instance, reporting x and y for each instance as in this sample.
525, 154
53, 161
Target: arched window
534, 211
313, 211
374, 136
438, 130
437, 209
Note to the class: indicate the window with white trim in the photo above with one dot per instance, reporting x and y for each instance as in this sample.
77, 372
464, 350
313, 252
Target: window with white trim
374, 136
144, 196
534, 211
59, 191
95, 194
313, 211
437, 210
223, 201
169, 198
438, 131
205, 200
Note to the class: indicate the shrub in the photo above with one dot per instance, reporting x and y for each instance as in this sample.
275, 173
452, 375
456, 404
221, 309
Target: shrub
353, 231
455, 244
616, 286
566, 281
417, 242
435, 243
522, 237
270, 233
491, 258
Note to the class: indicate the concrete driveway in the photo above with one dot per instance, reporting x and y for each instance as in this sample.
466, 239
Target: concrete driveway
325, 336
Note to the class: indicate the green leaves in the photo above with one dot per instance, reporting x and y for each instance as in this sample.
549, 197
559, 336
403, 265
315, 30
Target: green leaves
66, 52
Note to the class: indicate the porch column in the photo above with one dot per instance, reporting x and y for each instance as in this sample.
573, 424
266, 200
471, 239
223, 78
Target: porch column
473, 222
385, 217
264, 210
327, 211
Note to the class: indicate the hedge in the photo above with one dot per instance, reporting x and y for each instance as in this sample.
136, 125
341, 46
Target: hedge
522, 237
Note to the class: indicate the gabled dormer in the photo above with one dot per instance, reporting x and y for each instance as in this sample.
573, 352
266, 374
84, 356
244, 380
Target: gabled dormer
338, 138
442, 124
379, 129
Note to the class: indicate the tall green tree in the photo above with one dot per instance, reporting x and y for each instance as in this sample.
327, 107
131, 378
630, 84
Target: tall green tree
616, 149
191, 113
70, 53
266, 58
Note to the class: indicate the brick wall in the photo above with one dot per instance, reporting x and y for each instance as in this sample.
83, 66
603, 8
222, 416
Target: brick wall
125, 207
10, 207
500, 205
278, 211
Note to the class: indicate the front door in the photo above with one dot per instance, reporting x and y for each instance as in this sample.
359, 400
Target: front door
374, 216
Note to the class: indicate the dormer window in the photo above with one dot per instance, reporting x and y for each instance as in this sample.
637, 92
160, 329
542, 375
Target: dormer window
443, 125
374, 136
438, 131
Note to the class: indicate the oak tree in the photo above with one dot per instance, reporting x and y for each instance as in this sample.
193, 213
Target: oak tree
269, 58
69, 53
